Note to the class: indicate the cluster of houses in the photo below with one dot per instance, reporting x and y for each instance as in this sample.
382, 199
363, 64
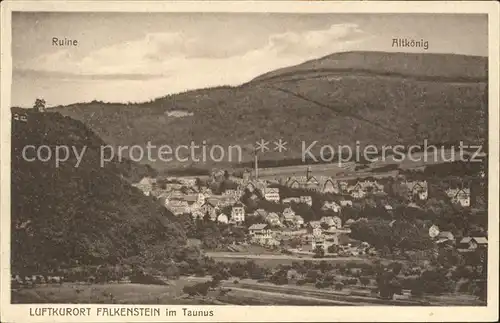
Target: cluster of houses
185, 196
328, 185
417, 190
19, 116
465, 244
17, 280
323, 233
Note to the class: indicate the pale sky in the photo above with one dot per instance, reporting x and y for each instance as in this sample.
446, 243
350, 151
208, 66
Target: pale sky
136, 57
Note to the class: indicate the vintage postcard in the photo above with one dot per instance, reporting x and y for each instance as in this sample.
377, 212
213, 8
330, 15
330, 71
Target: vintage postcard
220, 161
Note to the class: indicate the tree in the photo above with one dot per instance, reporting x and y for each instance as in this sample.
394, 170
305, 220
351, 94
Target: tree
39, 105
172, 271
197, 289
295, 242
237, 269
387, 284
364, 281
396, 268
479, 289
434, 282
319, 252
216, 279
279, 277
333, 248
206, 217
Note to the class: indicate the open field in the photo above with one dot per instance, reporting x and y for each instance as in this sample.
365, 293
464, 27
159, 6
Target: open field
246, 296
153, 294
244, 292
119, 293
273, 260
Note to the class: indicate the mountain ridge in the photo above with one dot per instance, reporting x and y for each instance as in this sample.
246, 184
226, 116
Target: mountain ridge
378, 63
440, 101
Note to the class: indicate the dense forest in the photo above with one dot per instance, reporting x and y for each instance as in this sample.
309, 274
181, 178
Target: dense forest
68, 216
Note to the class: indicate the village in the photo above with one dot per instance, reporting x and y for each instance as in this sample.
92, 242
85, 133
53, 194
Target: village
310, 215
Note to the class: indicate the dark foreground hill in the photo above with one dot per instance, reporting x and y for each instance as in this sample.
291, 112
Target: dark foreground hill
87, 215
374, 98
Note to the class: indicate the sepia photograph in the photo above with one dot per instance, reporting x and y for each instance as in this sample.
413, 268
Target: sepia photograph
172, 163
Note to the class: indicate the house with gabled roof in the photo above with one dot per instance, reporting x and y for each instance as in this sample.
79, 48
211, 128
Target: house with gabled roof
357, 193
367, 186
314, 227
288, 216
332, 221
290, 200
299, 221
348, 223
337, 222
20, 116
293, 183
250, 187
345, 202
343, 186
178, 207
188, 190
145, 184
445, 237
468, 244
413, 205
273, 219
331, 186
288, 212
331, 206
198, 214
210, 206
226, 200
311, 183
459, 196
259, 230
327, 220
417, 188
272, 194
260, 213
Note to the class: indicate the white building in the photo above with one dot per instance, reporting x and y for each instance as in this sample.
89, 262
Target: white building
272, 194
273, 219
237, 214
345, 203
306, 200
289, 200
331, 206
222, 218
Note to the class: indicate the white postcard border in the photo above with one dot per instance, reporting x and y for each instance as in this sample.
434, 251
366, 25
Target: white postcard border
20, 313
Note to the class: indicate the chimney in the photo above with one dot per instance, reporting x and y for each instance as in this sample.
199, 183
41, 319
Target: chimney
256, 164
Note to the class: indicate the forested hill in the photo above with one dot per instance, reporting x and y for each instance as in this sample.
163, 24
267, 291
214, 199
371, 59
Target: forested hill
379, 99
70, 216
